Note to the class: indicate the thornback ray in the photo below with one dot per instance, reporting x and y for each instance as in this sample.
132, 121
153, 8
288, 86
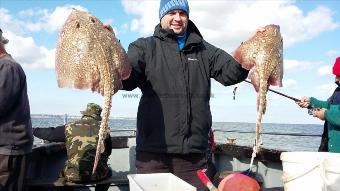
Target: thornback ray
262, 54
88, 56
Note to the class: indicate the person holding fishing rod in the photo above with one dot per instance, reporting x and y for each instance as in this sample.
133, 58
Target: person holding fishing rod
328, 111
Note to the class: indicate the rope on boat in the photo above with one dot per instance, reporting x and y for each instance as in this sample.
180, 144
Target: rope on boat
253, 155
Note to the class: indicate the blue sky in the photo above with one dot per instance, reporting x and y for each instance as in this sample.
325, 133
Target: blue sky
310, 30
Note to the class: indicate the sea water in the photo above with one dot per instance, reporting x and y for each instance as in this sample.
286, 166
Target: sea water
281, 142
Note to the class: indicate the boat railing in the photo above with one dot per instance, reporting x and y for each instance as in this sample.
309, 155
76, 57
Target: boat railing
273, 139
268, 133
134, 131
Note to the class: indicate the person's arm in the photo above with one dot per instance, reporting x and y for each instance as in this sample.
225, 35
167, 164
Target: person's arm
332, 115
53, 134
10, 86
108, 145
318, 103
137, 61
224, 68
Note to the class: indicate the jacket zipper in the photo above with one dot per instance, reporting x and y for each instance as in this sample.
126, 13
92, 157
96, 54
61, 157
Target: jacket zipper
187, 93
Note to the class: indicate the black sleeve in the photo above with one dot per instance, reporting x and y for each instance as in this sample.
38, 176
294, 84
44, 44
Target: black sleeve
224, 68
53, 134
108, 145
10, 86
136, 58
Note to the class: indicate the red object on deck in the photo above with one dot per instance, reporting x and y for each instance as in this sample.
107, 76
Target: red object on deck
238, 182
205, 180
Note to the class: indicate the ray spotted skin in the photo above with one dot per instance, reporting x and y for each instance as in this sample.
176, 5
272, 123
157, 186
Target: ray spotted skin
263, 55
90, 57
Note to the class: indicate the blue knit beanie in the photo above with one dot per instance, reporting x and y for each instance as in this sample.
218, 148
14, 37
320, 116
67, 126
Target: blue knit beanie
169, 5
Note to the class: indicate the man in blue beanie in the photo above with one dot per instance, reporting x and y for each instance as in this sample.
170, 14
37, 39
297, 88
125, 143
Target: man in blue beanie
173, 69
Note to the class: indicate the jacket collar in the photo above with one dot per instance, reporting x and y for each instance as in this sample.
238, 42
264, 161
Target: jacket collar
194, 37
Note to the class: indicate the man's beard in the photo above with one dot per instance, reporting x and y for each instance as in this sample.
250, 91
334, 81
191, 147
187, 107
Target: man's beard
337, 83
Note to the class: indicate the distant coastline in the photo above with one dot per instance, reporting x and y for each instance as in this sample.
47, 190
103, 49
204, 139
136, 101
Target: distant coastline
47, 116
73, 116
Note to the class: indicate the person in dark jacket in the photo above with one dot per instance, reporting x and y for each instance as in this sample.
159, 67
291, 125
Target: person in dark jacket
16, 138
328, 111
81, 138
173, 69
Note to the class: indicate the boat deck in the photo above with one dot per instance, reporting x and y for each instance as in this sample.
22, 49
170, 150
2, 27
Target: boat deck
48, 160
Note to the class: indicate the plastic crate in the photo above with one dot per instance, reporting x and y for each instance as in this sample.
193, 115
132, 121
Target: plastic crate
158, 182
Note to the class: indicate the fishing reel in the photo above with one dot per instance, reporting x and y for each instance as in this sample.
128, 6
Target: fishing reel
312, 109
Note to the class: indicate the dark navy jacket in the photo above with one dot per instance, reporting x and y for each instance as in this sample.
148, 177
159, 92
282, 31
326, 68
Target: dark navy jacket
174, 111
15, 121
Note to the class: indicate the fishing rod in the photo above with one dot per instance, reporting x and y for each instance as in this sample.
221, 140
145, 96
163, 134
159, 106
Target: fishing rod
310, 108
282, 94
